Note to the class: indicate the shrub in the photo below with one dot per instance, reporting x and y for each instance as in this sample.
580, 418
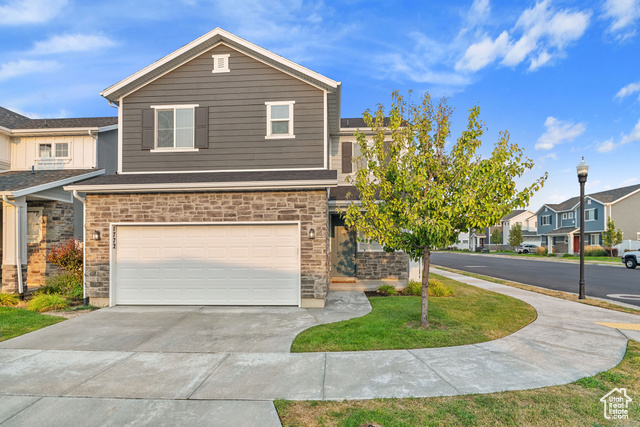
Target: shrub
66, 285
68, 256
8, 300
594, 251
437, 289
43, 302
541, 250
567, 255
609, 250
387, 290
413, 288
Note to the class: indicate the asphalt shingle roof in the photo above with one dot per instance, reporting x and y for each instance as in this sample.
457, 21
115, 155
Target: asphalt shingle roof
513, 213
12, 120
358, 122
212, 177
20, 180
563, 230
602, 196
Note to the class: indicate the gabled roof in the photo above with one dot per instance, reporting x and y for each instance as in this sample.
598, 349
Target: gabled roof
561, 231
22, 183
514, 213
10, 119
608, 196
204, 43
358, 122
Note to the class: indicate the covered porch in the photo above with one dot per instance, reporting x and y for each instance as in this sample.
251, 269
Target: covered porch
562, 240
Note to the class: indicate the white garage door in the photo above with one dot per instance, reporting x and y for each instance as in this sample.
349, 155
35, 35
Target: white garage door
207, 265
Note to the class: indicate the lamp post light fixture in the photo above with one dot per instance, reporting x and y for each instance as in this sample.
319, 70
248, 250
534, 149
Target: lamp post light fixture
583, 171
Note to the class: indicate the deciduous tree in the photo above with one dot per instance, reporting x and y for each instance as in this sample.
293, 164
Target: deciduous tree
515, 235
496, 237
612, 236
418, 189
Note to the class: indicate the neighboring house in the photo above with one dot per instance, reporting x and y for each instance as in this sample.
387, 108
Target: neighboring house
37, 158
559, 224
462, 242
526, 219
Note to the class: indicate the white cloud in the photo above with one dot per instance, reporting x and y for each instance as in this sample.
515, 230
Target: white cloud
557, 132
629, 89
541, 34
606, 146
24, 66
629, 181
18, 12
480, 54
623, 15
72, 43
633, 136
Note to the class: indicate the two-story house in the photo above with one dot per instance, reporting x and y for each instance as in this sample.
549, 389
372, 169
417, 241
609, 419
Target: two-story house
226, 156
559, 224
526, 219
37, 158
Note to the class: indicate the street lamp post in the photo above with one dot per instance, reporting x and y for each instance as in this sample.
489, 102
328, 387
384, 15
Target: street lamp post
583, 171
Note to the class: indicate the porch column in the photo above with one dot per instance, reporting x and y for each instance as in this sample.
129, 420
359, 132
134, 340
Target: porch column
570, 246
549, 244
11, 246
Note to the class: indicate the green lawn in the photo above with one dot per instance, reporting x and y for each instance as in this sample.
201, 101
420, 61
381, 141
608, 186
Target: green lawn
576, 404
473, 315
17, 321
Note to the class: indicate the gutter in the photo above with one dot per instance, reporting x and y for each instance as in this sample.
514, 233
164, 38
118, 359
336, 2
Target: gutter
18, 248
84, 246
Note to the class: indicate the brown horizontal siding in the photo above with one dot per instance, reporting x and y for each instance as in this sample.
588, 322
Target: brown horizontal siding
237, 117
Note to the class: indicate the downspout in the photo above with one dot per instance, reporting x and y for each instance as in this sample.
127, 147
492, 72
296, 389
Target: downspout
84, 246
95, 155
18, 248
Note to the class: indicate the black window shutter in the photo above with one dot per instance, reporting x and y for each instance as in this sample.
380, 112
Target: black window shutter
595, 213
347, 152
202, 127
148, 129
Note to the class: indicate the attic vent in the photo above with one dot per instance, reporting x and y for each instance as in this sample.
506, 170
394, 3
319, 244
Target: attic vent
220, 63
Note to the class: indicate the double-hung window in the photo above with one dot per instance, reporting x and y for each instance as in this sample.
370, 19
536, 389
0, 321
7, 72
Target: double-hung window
280, 119
546, 220
589, 215
58, 150
174, 127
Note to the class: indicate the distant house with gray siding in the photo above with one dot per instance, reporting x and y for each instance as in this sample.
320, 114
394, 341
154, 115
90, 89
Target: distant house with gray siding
559, 224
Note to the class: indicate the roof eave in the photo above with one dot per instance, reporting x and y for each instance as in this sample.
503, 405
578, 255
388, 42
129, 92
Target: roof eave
52, 184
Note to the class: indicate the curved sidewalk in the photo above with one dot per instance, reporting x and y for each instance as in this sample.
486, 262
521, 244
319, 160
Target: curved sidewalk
564, 344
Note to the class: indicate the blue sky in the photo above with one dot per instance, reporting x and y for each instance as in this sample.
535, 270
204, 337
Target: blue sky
563, 77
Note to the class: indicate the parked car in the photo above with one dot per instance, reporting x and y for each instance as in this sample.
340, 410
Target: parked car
526, 248
631, 259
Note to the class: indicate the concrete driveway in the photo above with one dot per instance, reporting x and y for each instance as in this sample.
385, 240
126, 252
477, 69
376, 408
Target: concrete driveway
191, 329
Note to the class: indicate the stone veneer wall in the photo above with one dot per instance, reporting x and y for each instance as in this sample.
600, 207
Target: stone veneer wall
57, 226
308, 207
382, 265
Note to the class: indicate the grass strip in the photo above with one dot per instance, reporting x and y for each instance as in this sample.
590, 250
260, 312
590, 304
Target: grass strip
472, 315
575, 404
557, 294
17, 321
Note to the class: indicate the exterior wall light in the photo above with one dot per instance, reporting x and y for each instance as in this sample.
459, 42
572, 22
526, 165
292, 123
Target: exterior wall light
312, 234
96, 235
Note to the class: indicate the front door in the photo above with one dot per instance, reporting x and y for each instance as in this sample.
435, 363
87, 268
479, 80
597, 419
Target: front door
343, 249
576, 244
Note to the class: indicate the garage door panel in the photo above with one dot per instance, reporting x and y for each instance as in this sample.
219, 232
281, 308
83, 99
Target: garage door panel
207, 265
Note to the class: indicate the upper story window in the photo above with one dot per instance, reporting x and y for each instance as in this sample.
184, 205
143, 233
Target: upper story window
570, 215
220, 64
590, 215
174, 127
280, 119
545, 220
564, 216
58, 150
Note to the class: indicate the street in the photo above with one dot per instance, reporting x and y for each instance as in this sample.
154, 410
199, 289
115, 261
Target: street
601, 281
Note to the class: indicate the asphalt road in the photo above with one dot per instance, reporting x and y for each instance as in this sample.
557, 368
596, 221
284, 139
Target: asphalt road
602, 281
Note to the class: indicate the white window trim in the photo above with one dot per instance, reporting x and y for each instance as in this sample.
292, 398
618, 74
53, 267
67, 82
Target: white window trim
548, 222
279, 136
564, 216
216, 58
570, 215
590, 216
591, 239
53, 150
173, 107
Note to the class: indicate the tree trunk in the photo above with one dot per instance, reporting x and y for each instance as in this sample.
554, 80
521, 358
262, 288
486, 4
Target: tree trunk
424, 318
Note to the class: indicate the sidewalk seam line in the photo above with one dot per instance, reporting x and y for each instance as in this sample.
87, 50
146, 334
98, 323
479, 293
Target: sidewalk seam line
23, 409
324, 376
64, 393
435, 372
208, 376
189, 314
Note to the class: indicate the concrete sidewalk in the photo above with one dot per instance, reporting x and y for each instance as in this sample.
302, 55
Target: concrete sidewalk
564, 344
